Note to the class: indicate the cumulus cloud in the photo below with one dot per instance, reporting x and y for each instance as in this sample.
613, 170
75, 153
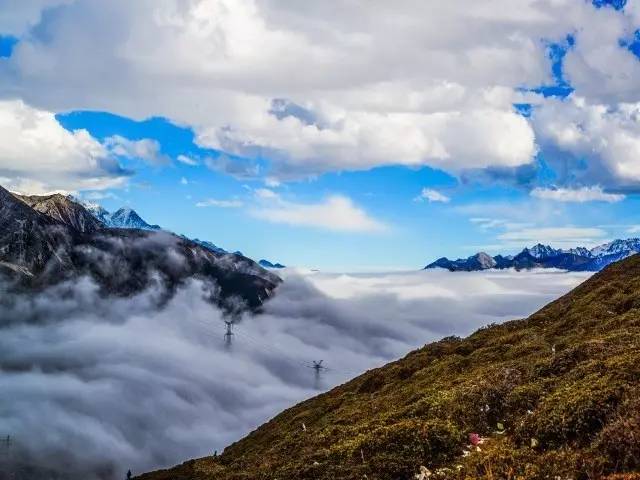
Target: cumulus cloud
38, 155
432, 196
607, 137
187, 160
273, 79
315, 94
145, 149
95, 386
577, 195
212, 202
336, 212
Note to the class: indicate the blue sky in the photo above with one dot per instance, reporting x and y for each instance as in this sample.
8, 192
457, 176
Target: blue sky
336, 168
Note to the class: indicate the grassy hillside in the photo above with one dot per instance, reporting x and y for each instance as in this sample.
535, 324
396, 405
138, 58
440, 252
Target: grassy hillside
554, 396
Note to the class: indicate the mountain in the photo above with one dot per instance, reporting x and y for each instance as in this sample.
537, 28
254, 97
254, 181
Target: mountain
59, 207
30, 241
552, 396
128, 218
267, 264
212, 247
121, 218
544, 256
50, 239
540, 251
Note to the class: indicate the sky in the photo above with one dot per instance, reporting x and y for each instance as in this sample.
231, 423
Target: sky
360, 135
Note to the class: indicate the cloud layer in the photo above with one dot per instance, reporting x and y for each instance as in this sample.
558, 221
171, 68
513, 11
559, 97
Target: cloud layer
96, 386
422, 83
38, 155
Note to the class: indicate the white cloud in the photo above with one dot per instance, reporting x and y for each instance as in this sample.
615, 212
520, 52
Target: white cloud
99, 195
633, 229
432, 196
145, 149
559, 237
265, 193
438, 91
577, 195
211, 202
336, 212
272, 182
607, 137
357, 97
486, 223
37, 155
187, 160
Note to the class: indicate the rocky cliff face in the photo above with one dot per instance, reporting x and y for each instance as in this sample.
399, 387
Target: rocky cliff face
62, 208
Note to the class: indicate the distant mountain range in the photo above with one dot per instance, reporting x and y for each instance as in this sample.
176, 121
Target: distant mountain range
122, 218
267, 264
45, 240
544, 256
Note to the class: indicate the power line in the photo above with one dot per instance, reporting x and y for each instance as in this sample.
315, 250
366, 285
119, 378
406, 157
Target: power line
233, 329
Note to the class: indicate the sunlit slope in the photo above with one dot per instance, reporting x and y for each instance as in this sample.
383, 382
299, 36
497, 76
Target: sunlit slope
554, 396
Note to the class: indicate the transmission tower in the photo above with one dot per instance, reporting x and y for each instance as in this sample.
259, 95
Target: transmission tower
21, 242
5, 460
318, 367
228, 335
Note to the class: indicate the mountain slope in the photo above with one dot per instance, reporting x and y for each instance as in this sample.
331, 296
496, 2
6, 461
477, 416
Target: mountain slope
128, 218
31, 242
552, 396
40, 249
63, 209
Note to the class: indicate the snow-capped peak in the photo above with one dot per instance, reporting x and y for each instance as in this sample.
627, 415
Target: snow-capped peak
617, 247
542, 251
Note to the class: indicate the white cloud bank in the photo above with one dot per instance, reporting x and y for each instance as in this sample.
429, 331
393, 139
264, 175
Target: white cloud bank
38, 155
95, 386
419, 83
577, 195
608, 136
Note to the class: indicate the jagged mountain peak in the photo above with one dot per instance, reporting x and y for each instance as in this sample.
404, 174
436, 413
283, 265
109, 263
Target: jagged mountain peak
63, 208
541, 251
126, 217
267, 264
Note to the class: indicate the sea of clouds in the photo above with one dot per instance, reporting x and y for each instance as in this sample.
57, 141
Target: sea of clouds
93, 386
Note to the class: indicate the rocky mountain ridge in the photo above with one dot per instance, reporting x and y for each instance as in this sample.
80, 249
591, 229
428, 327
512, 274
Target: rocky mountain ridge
49, 239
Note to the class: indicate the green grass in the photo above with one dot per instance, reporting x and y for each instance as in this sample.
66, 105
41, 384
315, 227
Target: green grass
573, 414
